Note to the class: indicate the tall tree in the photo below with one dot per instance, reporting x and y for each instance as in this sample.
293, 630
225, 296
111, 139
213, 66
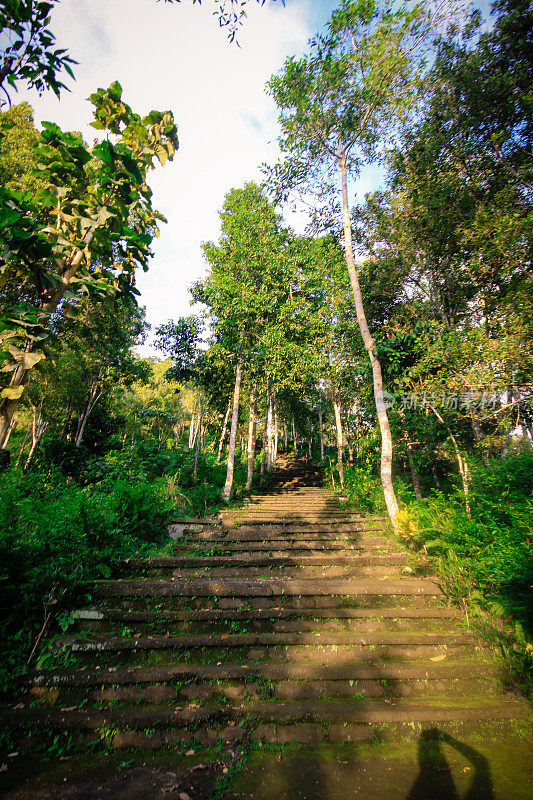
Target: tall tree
86, 231
337, 106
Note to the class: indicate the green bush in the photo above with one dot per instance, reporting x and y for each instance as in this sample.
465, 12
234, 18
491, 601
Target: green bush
54, 536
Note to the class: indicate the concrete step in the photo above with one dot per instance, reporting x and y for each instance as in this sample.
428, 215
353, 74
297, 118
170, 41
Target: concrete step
259, 559
268, 671
162, 625
300, 571
338, 712
280, 547
102, 644
130, 616
264, 588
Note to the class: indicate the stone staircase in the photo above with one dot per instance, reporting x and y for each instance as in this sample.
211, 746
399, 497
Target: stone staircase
292, 620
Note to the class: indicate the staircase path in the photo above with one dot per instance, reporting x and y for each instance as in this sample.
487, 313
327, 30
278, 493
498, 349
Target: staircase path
293, 620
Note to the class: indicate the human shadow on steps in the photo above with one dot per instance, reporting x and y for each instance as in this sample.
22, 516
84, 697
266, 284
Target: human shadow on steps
435, 779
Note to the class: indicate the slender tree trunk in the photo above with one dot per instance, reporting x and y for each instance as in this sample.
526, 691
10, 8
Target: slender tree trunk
196, 429
94, 396
10, 430
270, 424
233, 432
223, 432
370, 347
38, 427
276, 430
309, 438
264, 453
191, 430
338, 428
251, 437
286, 436
198, 441
461, 462
321, 432
294, 439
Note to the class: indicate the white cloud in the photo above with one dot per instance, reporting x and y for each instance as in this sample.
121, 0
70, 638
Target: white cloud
176, 57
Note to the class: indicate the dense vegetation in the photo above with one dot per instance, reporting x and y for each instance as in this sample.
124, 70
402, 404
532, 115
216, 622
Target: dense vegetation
393, 343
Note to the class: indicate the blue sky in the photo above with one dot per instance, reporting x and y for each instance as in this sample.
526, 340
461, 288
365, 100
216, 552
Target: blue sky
175, 57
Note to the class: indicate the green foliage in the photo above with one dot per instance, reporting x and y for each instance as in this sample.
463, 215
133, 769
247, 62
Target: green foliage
54, 536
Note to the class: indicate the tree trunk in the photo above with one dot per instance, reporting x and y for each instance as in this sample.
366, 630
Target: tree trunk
370, 347
223, 432
198, 441
92, 398
251, 437
286, 436
270, 424
294, 439
276, 430
233, 432
461, 462
309, 438
321, 432
264, 454
38, 427
191, 431
338, 428
196, 429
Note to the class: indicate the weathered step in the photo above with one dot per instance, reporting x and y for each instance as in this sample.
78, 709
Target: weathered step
309, 542
277, 534
356, 671
327, 530
300, 571
356, 627
333, 711
259, 560
281, 547
254, 588
291, 603
225, 640
220, 614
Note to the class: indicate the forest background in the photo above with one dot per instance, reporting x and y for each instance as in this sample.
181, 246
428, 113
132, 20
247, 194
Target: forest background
101, 448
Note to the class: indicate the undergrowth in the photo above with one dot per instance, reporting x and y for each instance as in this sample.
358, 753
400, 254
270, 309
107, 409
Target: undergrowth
484, 558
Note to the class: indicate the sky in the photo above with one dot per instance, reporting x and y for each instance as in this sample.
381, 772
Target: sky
176, 57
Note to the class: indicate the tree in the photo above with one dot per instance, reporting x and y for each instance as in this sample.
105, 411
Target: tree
337, 106
85, 232
244, 290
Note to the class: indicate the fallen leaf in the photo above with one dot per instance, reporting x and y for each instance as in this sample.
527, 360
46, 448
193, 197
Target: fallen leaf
189, 753
12, 755
19, 705
165, 789
184, 796
197, 766
3, 767
363, 641
112, 669
225, 636
69, 708
438, 658
466, 769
